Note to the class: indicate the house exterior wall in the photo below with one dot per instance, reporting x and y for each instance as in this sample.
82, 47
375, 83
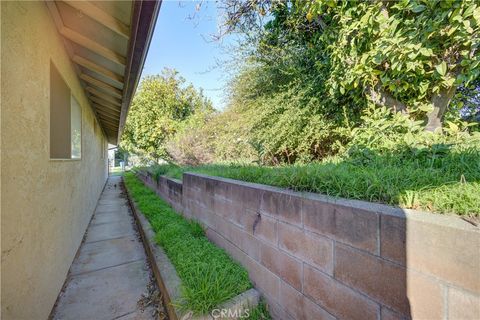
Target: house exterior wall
46, 204
318, 257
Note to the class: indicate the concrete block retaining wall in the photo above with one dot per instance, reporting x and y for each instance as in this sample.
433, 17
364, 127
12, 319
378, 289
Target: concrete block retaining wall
317, 257
167, 188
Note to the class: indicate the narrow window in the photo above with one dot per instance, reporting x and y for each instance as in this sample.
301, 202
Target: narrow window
59, 116
103, 147
101, 140
65, 119
76, 129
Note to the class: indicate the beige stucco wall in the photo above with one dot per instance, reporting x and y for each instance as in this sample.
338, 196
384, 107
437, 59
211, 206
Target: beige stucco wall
45, 205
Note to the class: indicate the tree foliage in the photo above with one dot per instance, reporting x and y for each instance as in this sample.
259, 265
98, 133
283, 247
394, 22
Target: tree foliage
312, 74
409, 55
160, 107
311, 71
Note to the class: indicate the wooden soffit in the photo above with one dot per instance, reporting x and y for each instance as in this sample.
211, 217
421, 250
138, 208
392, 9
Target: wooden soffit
108, 42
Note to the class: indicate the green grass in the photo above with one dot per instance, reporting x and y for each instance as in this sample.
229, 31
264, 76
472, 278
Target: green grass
116, 171
448, 183
260, 312
209, 276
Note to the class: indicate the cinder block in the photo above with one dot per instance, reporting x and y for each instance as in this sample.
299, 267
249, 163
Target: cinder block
224, 228
313, 311
261, 226
204, 216
187, 192
187, 204
210, 185
286, 267
245, 194
437, 251
222, 206
352, 226
187, 180
249, 244
223, 243
463, 305
235, 214
292, 300
246, 242
393, 237
337, 298
387, 314
196, 195
277, 311
283, 206
449, 253
263, 279
299, 306
380, 279
223, 190
203, 200
388, 283
220, 241
316, 250
425, 296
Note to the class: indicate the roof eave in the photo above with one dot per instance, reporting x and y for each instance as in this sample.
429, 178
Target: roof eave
145, 13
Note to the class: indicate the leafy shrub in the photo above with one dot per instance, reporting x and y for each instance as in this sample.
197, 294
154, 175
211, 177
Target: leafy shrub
383, 132
192, 145
390, 159
289, 129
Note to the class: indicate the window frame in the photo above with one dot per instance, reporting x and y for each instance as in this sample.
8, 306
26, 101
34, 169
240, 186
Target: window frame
60, 159
72, 97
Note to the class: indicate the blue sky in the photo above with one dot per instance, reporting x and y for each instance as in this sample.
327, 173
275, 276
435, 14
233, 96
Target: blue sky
182, 40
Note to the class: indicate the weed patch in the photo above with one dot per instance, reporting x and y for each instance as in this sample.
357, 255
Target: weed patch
209, 276
448, 184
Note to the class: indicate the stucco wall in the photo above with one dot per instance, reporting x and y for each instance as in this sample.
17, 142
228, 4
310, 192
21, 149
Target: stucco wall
318, 257
45, 205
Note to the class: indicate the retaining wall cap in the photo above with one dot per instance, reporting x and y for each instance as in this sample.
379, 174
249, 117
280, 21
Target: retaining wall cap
249, 298
171, 179
452, 221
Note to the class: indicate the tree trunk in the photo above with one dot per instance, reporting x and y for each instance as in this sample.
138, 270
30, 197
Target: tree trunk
440, 103
384, 99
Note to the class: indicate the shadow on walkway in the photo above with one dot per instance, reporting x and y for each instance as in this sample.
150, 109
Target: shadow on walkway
110, 277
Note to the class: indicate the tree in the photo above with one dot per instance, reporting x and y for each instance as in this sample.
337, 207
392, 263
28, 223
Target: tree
409, 55
160, 106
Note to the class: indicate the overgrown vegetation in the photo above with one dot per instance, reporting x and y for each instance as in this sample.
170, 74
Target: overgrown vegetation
390, 159
373, 100
260, 312
307, 71
209, 276
408, 185
160, 108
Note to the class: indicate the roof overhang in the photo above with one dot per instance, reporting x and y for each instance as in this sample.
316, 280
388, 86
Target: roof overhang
108, 42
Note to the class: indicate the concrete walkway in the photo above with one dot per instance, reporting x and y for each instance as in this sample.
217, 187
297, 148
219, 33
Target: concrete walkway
110, 277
